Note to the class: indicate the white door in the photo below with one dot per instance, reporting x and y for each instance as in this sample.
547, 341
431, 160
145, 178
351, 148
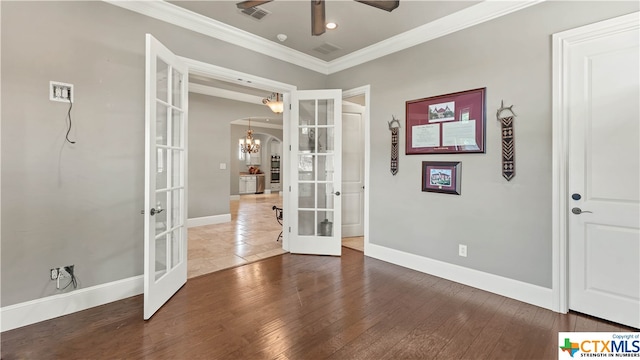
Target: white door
352, 170
604, 177
316, 164
165, 235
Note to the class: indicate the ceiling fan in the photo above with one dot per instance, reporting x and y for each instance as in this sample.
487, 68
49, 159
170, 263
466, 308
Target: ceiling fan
318, 20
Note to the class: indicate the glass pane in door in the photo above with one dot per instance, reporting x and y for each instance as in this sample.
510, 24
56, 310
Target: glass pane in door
325, 112
161, 255
306, 195
325, 223
325, 140
161, 124
176, 245
325, 168
176, 126
306, 222
161, 216
307, 112
306, 166
325, 196
162, 80
176, 168
162, 180
176, 202
306, 139
176, 85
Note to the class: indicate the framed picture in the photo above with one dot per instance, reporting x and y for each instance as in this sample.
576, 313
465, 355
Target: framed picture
441, 176
447, 124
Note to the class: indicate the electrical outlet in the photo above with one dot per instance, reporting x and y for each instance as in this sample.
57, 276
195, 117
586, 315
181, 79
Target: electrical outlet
63, 272
462, 250
59, 91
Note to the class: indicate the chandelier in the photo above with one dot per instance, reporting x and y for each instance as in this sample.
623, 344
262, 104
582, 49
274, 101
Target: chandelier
274, 102
249, 145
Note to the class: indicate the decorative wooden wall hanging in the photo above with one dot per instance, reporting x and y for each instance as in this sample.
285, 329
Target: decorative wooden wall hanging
508, 141
395, 131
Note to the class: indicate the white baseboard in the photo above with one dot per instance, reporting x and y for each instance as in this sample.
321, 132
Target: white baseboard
521, 291
30, 312
208, 220
267, 191
234, 197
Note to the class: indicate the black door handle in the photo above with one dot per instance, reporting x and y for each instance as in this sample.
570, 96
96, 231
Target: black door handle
154, 211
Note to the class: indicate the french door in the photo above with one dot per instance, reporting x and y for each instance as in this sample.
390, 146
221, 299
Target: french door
165, 233
316, 172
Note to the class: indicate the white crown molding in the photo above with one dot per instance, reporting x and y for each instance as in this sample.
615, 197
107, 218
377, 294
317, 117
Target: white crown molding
223, 93
190, 20
173, 14
474, 15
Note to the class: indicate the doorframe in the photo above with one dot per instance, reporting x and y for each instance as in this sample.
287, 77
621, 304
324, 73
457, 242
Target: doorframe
237, 77
366, 92
562, 42
220, 73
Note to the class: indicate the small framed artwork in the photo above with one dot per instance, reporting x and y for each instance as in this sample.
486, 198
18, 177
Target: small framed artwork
441, 176
446, 124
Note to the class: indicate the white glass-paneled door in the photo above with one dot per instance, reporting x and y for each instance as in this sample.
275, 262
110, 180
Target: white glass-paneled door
165, 234
316, 166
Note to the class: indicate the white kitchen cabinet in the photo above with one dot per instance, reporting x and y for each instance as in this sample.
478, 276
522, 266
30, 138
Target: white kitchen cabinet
247, 184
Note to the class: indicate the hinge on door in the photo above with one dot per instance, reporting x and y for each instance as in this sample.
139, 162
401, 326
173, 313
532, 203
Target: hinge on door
289, 147
289, 106
289, 188
289, 228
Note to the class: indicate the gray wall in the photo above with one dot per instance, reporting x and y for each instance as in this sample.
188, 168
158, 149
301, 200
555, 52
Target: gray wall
238, 166
80, 204
209, 145
506, 225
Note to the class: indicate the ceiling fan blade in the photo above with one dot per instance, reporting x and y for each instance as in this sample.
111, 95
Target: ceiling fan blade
251, 3
318, 21
383, 4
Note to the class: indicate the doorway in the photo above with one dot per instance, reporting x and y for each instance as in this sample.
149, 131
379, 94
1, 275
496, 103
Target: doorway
353, 149
210, 71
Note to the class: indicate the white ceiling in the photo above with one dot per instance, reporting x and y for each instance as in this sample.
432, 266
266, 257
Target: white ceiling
359, 25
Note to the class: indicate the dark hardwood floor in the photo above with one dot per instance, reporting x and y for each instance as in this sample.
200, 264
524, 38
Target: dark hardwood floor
308, 307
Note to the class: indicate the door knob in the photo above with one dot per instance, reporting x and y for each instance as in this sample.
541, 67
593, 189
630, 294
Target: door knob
578, 211
337, 193
154, 211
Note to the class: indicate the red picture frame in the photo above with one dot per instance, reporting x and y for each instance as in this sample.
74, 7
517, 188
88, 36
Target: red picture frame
447, 124
442, 176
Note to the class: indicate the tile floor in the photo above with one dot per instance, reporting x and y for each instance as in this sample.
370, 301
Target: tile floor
250, 236
355, 243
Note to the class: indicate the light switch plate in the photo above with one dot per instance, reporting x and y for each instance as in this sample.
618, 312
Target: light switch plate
223, 166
